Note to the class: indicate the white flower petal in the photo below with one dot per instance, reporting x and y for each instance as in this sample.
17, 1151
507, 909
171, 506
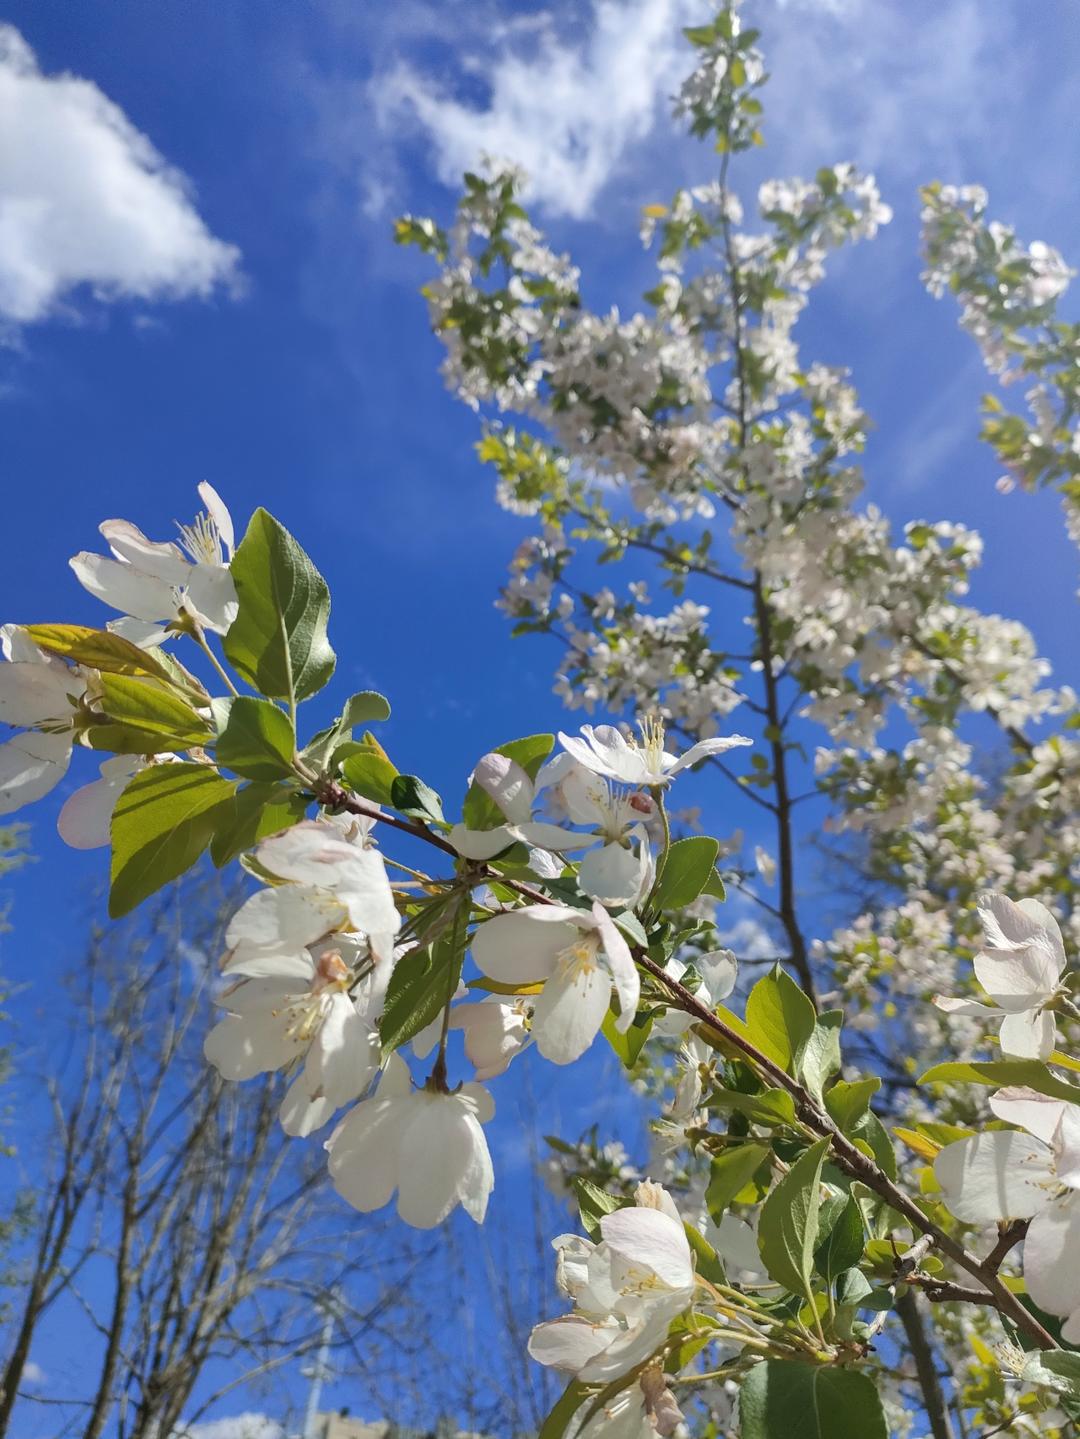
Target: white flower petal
719, 970
651, 1239
521, 947
621, 963
737, 1245
952, 1004
31, 765
125, 588
159, 561
995, 1176
634, 1345
218, 511
495, 1032
1030, 1035
86, 816
244, 1045
706, 747
605, 751
508, 785
1052, 1257
444, 1162
1017, 980
211, 593
570, 1009
365, 1149
570, 1342
341, 1063
480, 844
281, 921
33, 694
613, 874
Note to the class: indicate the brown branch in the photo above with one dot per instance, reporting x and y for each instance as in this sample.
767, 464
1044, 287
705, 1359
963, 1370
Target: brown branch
933, 1395
848, 1157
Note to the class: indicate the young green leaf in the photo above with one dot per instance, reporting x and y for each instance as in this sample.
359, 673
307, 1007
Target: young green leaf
420, 987
278, 640
848, 1100
731, 1171
413, 797
687, 870
1031, 1073
148, 718
714, 887
593, 1204
102, 650
844, 1240
368, 772
782, 1399
257, 740
819, 1058
771, 1107
254, 812
162, 823
780, 1018
366, 707
627, 1046
788, 1228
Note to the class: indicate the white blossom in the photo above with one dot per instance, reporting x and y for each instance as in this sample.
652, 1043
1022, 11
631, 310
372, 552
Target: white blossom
425, 1144
153, 582
577, 956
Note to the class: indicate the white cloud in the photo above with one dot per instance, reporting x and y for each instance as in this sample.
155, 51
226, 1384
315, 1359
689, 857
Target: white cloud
86, 200
33, 1375
237, 1426
568, 113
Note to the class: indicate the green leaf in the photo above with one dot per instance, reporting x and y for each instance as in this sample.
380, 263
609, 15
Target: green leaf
843, 1245
152, 718
558, 1421
819, 1058
102, 650
730, 1172
782, 1399
413, 797
707, 1263
848, 1100
714, 886
1059, 1368
366, 707
420, 987
871, 1130
368, 771
593, 1204
772, 1106
162, 823
627, 1046
278, 640
780, 1018
1028, 1072
687, 869
257, 740
254, 812
479, 810
788, 1228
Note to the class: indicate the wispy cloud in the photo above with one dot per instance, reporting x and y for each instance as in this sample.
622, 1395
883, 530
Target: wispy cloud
86, 200
567, 110
238, 1426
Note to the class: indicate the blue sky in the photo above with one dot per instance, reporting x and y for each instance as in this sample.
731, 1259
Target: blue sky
259, 330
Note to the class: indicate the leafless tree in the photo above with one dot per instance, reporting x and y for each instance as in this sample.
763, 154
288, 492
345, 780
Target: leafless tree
175, 1217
